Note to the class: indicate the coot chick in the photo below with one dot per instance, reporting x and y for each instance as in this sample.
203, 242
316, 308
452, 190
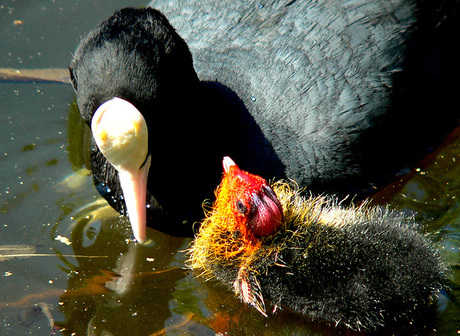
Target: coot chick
361, 267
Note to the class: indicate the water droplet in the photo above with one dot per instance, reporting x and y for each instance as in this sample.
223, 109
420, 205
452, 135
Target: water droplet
253, 99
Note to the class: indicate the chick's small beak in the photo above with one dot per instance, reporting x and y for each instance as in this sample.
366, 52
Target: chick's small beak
227, 162
267, 214
134, 185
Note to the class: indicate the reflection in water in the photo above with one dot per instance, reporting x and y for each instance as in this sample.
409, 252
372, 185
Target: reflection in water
126, 293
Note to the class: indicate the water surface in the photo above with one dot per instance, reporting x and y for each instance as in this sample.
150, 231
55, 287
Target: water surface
73, 261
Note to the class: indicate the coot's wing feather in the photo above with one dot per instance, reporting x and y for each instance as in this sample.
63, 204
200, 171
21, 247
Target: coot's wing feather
313, 74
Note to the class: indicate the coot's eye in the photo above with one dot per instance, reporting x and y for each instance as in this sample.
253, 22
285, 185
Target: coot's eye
241, 207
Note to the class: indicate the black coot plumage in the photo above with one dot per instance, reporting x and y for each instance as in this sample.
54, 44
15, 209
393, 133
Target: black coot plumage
321, 92
135, 61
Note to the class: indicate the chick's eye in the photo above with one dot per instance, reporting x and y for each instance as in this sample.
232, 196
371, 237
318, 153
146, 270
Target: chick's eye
241, 207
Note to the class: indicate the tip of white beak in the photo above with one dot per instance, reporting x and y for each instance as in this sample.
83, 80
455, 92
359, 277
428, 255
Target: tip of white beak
227, 162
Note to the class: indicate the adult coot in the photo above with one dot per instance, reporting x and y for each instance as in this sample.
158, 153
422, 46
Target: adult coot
315, 91
360, 267
136, 88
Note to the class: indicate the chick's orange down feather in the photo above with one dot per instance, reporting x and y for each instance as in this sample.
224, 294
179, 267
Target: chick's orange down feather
360, 267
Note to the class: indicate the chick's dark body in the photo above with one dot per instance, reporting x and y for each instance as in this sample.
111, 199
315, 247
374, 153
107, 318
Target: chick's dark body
366, 274
350, 281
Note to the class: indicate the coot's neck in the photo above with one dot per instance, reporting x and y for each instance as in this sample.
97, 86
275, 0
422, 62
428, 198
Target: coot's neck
230, 130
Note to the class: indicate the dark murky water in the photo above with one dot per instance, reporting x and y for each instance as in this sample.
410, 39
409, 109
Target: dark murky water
73, 264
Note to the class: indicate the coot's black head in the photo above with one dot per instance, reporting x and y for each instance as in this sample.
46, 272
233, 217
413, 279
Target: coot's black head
134, 77
135, 55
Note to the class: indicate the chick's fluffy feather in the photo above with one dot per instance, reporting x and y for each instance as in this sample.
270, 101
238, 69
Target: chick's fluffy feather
357, 266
